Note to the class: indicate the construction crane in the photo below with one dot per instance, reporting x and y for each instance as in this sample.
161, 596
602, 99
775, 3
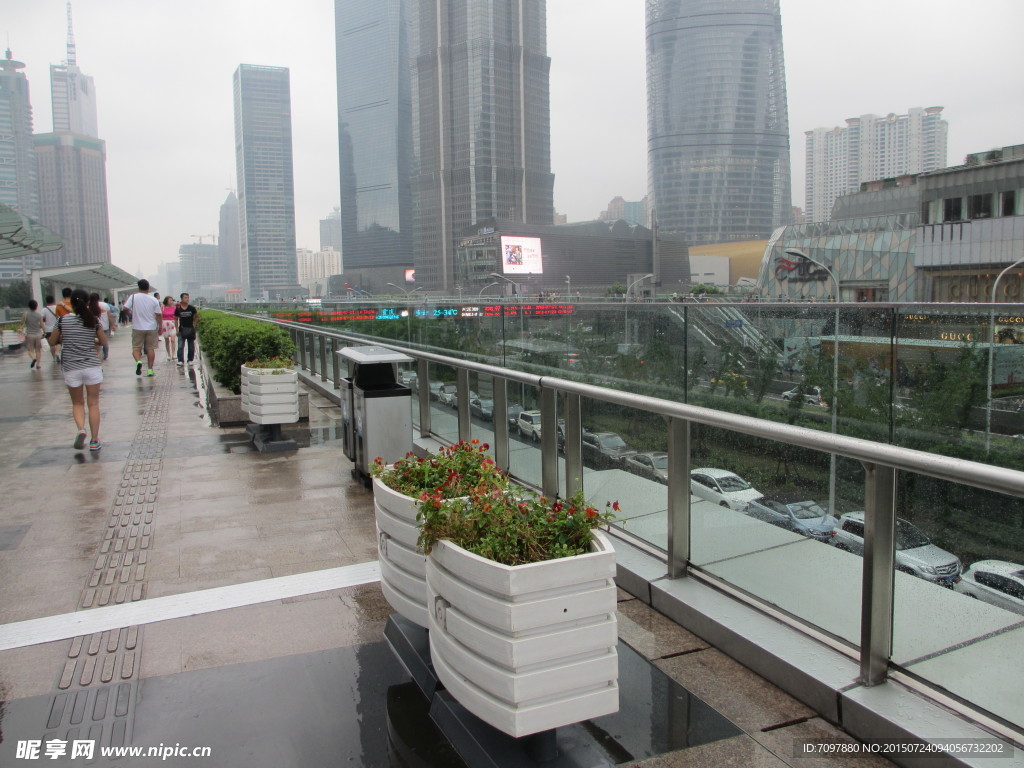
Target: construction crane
200, 238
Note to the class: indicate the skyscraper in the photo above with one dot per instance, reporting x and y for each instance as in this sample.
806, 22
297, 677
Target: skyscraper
870, 147
481, 127
330, 231
73, 196
17, 158
374, 133
717, 120
72, 93
229, 251
72, 167
266, 191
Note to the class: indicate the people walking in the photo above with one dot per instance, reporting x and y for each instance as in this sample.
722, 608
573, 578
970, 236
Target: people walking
146, 314
187, 315
78, 334
169, 322
61, 309
49, 323
105, 313
32, 322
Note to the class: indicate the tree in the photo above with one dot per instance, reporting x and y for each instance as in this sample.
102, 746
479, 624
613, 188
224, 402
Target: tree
15, 295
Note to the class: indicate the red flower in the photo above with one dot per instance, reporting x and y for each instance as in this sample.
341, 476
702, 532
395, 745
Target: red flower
615, 506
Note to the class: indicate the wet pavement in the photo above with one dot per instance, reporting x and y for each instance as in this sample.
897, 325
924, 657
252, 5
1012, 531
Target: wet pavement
172, 506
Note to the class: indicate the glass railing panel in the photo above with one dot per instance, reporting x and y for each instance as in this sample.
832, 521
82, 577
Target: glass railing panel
443, 417
408, 376
524, 439
481, 409
961, 629
761, 519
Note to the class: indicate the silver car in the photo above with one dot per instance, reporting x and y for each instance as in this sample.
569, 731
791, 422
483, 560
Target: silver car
996, 582
915, 552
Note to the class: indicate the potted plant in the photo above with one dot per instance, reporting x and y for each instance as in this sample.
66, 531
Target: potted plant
270, 390
523, 628
456, 470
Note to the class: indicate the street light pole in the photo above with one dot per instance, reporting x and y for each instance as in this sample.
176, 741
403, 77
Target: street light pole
991, 352
489, 285
515, 285
625, 313
835, 376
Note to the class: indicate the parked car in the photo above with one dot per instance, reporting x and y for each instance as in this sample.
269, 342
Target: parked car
811, 395
996, 582
513, 414
653, 465
440, 391
605, 450
481, 408
794, 513
722, 487
529, 425
449, 395
409, 379
915, 552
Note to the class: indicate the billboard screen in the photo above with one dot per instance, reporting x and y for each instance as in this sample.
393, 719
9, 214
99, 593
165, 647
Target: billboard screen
521, 256
410, 275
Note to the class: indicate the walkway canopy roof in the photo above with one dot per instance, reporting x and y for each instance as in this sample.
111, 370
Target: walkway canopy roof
103, 278
20, 236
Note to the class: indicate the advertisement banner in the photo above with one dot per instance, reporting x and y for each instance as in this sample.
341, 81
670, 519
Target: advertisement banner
521, 256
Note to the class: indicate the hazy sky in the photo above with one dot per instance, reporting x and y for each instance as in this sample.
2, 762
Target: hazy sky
163, 72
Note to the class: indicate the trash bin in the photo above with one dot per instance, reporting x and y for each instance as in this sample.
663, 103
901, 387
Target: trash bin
376, 410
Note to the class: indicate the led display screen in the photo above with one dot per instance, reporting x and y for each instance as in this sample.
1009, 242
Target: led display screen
521, 256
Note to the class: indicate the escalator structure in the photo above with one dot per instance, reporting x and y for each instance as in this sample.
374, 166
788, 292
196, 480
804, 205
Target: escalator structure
719, 324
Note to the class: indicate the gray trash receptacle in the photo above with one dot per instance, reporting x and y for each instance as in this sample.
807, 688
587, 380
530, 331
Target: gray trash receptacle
376, 409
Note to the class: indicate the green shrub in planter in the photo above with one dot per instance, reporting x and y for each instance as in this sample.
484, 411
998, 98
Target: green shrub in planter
228, 342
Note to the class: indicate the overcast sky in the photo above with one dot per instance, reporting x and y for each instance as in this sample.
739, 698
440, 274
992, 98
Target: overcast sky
163, 72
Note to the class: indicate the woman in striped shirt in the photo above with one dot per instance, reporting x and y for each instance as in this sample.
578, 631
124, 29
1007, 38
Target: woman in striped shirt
78, 334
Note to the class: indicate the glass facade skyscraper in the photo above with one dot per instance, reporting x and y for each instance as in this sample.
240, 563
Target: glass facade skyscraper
718, 125
374, 133
266, 188
481, 128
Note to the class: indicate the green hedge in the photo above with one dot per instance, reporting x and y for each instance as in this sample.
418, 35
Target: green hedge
229, 341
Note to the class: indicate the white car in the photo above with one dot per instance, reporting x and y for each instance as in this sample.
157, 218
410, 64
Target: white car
915, 552
529, 425
811, 396
996, 582
722, 487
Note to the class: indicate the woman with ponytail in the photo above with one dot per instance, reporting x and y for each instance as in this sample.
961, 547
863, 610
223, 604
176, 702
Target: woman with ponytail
78, 334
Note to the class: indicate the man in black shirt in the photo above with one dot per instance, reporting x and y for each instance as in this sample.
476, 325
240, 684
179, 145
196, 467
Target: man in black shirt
186, 315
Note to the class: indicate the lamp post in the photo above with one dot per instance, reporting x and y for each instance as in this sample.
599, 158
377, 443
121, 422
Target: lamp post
515, 285
991, 352
489, 285
568, 286
835, 376
403, 290
625, 313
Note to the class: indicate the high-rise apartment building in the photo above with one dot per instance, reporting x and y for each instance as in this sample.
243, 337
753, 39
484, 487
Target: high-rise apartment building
72, 94
374, 133
481, 126
870, 147
229, 251
718, 125
633, 211
316, 265
73, 196
266, 189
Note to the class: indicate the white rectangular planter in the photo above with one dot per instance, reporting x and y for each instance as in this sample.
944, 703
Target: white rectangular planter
530, 647
271, 398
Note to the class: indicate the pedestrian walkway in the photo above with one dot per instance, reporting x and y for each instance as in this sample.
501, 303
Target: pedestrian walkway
179, 588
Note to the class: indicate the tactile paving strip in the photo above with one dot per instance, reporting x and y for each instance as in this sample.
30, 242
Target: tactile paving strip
96, 688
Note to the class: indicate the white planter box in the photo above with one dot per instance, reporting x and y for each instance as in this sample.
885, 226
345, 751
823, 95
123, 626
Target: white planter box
402, 563
530, 647
270, 398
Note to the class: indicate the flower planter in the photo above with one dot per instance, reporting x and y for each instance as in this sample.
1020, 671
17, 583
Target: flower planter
526, 648
402, 563
272, 395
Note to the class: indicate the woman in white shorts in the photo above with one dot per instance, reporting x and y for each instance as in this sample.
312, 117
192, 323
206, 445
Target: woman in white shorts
78, 334
169, 327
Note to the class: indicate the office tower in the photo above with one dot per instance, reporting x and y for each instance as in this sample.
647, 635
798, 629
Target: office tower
633, 211
870, 147
330, 231
72, 94
374, 133
199, 267
717, 122
73, 196
266, 192
229, 252
481, 124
